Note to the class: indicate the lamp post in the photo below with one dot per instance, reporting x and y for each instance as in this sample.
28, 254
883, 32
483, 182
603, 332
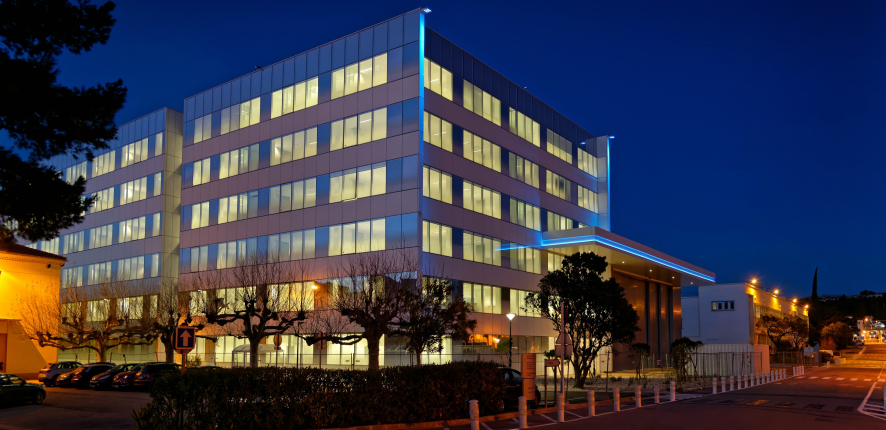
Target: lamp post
510, 337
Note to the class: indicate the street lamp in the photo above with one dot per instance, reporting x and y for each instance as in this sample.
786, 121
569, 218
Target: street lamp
511, 337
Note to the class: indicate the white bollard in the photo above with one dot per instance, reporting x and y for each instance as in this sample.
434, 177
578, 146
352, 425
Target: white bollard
637, 396
827, 365
673, 391
561, 408
757, 378
715, 385
657, 392
474, 414
592, 404
616, 399
521, 408
723, 384
732, 383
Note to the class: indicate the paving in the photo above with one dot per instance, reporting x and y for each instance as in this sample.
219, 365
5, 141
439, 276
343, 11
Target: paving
73, 409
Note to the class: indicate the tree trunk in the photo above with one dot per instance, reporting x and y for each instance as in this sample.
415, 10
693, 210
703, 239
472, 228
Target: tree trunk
101, 350
373, 341
253, 352
418, 358
170, 349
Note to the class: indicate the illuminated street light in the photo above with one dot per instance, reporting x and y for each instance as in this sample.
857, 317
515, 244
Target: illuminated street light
775, 292
510, 337
754, 281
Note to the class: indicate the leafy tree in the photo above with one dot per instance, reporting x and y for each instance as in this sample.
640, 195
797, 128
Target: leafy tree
45, 119
681, 354
775, 328
798, 331
598, 314
838, 332
432, 314
101, 317
640, 352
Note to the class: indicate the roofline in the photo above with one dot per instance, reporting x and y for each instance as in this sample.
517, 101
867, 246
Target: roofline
419, 9
599, 236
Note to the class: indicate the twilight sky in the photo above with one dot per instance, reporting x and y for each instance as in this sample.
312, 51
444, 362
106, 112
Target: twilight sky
750, 135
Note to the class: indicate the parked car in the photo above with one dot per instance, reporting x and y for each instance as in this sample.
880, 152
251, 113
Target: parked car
124, 380
73, 379
48, 374
152, 371
514, 384
15, 389
106, 378
84, 375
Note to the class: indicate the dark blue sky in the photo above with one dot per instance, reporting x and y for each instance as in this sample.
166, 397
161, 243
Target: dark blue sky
750, 136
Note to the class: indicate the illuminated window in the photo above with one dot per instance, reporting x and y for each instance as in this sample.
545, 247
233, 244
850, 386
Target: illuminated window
482, 103
559, 147
481, 151
359, 129
587, 162
438, 79
436, 238
357, 237
438, 132
522, 169
295, 146
587, 199
360, 76
558, 186
437, 184
524, 126
292, 196
483, 298
481, 249
525, 214
357, 183
481, 199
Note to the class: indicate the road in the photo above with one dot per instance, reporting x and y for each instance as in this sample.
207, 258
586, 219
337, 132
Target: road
824, 399
848, 396
69, 408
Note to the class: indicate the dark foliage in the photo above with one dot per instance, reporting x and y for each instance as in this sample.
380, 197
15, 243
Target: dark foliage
45, 119
263, 398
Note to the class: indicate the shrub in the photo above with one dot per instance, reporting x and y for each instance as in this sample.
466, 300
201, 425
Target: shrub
261, 398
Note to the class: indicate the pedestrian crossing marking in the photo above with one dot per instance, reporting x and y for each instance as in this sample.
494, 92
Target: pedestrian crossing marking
813, 377
839, 379
826, 377
867, 380
757, 402
854, 379
800, 377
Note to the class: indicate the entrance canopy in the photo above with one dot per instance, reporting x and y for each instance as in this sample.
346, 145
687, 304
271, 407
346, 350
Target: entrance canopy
627, 256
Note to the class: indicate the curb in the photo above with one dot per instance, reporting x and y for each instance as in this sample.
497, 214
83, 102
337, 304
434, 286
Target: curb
467, 421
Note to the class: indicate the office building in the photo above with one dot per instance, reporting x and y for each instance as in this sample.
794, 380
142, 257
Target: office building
394, 138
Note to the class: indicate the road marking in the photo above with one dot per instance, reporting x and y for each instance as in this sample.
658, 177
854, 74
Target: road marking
853, 379
839, 379
799, 377
757, 402
813, 406
813, 377
549, 418
486, 426
864, 404
785, 404
826, 377
867, 380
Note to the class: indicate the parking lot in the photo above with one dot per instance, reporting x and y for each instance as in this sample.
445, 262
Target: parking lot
70, 408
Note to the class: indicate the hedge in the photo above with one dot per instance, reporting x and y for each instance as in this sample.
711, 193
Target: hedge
269, 397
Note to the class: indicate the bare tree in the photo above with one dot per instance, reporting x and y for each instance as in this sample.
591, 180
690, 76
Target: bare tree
260, 297
371, 290
165, 312
431, 314
98, 317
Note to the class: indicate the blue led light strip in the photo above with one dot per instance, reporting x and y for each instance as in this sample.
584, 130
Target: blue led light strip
620, 247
